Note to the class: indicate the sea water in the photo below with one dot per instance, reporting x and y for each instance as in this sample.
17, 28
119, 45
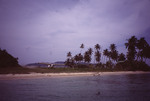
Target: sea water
124, 87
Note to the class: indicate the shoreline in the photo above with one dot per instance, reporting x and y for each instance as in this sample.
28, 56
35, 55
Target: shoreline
47, 75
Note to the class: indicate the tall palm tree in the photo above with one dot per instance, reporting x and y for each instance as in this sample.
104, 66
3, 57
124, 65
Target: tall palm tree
113, 52
107, 53
87, 57
97, 53
97, 56
90, 51
142, 46
114, 55
131, 47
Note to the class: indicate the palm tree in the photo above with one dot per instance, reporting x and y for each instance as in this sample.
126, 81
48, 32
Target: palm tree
112, 47
82, 46
90, 51
69, 55
80, 57
76, 58
97, 47
113, 52
114, 55
97, 56
70, 61
87, 57
107, 53
142, 46
131, 47
121, 57
97, 53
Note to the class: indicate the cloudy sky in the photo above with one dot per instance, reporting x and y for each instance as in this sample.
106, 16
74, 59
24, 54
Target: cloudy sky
45, 30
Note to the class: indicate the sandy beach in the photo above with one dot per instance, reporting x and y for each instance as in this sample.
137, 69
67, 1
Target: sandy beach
47, 75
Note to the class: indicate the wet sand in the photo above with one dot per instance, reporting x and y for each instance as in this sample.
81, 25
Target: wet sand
47, 75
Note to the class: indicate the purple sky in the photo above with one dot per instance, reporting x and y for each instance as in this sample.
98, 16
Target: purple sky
45, 30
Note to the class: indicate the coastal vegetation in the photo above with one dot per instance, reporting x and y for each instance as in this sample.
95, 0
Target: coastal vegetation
7, 60
138, 51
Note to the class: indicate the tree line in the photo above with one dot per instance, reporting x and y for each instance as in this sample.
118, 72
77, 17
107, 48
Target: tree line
138, 51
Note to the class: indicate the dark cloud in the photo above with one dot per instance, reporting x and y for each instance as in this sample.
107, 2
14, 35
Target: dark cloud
51, 28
